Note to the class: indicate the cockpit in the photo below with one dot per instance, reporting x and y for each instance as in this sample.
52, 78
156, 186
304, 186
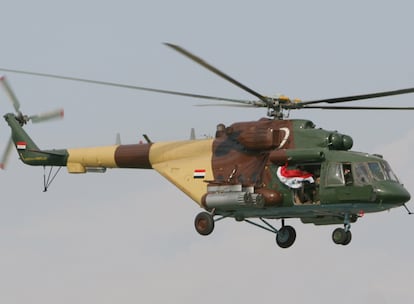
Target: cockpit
360, 179
359, 173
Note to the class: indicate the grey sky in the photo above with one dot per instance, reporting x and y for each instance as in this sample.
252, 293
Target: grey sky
127, 236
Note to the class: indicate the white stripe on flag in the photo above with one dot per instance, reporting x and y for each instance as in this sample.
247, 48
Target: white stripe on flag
21, 145
199, 173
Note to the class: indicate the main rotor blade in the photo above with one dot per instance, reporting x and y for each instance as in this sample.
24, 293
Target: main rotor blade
226, 105
6, 154
354, 108
126, 86
217, 71
360, 97
13, 98
47, 116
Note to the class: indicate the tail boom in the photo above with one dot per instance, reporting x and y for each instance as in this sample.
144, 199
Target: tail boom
117, 156
81, 159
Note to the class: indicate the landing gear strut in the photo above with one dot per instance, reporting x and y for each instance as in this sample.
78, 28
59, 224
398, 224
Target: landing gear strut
285, 236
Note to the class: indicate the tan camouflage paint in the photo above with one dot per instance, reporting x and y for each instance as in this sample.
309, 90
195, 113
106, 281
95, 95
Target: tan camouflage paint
82, 158
176, 161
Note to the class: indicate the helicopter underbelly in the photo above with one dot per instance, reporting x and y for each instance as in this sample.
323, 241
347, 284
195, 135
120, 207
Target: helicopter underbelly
309, 213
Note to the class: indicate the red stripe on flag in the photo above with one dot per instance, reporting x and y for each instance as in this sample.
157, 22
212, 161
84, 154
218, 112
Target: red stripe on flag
21, 145
199, 173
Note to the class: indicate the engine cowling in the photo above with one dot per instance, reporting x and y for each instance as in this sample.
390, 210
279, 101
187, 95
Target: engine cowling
257, 135
296, 156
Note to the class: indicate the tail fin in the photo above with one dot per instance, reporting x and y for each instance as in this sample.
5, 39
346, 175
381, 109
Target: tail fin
20, 138
28, 151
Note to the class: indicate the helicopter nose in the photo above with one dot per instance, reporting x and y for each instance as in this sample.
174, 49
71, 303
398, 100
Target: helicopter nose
392, 193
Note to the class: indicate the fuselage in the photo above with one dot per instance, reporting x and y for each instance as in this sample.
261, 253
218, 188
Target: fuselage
236, 172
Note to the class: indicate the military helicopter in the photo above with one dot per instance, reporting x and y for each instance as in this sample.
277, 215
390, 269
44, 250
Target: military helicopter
256, 171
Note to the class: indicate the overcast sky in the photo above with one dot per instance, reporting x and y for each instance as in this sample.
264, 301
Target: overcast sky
127, 236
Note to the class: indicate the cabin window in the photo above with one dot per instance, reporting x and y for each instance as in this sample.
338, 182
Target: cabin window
335, 175
340, 174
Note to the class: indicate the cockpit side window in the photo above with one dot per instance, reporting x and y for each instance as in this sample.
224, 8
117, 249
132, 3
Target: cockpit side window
347, 170
362, 176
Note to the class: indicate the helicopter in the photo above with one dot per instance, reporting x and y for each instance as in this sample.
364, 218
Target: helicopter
273, 168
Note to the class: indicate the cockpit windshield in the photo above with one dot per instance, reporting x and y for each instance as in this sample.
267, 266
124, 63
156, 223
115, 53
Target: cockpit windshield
388, 172
375, 171
360, 173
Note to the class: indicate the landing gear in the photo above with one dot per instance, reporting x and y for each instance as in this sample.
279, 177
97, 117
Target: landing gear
343, 236
204, 223
286, 236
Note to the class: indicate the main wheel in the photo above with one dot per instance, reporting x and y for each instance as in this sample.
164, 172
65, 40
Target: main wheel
339, 236
204, 223
286, 236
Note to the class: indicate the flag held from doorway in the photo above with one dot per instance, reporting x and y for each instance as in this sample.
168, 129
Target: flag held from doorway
293, 178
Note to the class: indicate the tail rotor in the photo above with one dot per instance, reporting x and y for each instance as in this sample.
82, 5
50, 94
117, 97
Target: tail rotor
6, 154
22, 119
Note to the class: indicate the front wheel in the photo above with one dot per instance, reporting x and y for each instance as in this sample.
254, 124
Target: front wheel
341, 237
286, 236
204, 223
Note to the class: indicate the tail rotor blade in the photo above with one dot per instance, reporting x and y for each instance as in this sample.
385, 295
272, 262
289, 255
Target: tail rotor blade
56, 114
118, 139
13, 98
6, 154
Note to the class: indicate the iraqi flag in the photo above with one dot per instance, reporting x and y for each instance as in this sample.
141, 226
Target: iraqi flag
199, 173
21, 145
293, 178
